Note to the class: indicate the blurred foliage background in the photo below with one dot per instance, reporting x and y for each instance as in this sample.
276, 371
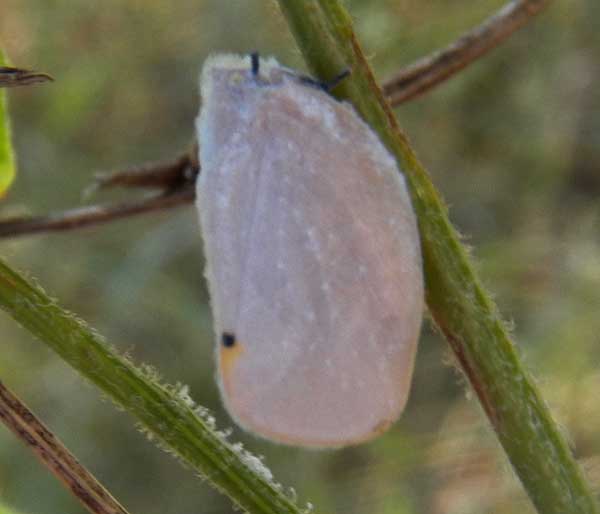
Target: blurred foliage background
513, 143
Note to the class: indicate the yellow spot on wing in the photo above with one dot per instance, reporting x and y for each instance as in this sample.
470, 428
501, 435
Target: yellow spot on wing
227, 359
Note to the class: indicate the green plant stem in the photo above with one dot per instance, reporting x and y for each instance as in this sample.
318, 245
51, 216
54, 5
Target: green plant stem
7, 156
164, 413
459, 304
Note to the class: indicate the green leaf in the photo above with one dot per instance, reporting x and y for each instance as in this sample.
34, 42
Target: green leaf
7, 156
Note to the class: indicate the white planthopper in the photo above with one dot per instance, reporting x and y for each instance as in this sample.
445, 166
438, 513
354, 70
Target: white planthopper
313, 257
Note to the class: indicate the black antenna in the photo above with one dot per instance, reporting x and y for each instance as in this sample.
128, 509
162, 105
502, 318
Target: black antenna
255, 60
325, 86
328, 86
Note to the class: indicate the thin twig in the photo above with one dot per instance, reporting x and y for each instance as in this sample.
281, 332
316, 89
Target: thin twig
424, 74
93, 215
164, 175
411, 82
12, 77
53, 454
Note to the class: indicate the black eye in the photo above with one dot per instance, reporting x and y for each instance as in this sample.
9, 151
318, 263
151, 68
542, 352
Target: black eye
228, 339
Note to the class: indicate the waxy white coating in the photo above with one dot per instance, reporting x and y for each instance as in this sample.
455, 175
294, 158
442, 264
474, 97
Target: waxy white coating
313, 258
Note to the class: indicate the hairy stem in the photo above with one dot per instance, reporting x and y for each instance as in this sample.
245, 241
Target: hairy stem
166, 413
459, 304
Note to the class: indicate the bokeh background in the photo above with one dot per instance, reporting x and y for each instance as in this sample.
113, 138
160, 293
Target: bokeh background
513, 143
